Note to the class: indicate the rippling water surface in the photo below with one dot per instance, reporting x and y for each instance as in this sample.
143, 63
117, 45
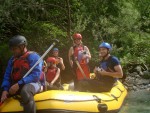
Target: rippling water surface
137, 102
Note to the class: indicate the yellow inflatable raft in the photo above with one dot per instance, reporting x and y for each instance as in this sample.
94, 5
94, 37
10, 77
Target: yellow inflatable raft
62, 101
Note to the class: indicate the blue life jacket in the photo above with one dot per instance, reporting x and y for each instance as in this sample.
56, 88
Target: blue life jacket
34, 75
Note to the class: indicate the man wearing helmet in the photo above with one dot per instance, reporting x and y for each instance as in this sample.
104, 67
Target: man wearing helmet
19, 64
52, 74
59, 60
107, 72
81, 54
59, 64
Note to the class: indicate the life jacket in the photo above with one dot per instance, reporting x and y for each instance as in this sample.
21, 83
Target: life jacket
107, 66
78, 53
51, 73
20, 67
110, 68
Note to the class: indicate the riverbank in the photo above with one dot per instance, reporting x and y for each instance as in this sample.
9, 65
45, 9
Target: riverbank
135, 82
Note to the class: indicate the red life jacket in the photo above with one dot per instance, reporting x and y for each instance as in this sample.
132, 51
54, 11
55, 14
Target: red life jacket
77, 49
20, 67
82, 62
51, 73
77, 54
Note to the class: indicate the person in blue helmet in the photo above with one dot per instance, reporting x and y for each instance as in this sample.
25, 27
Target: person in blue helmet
14, 81
59, 60
107, 72
59, 66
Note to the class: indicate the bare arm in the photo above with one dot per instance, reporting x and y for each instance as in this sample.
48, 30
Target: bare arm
4, 96
117, 74
62, 64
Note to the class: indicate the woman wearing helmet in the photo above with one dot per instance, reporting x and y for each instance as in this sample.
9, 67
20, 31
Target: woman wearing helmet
14, 81
52, 74
81, 54
107, 72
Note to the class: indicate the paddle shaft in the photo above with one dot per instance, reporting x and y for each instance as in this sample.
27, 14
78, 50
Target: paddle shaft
80, 69
40, 59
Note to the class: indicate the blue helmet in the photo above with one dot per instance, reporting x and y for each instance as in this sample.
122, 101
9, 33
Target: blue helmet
55, 49
105, 45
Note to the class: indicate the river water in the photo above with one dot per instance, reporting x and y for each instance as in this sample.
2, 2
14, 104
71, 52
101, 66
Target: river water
137, 102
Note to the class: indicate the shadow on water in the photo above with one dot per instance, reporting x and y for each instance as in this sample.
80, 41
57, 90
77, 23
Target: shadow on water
137, 102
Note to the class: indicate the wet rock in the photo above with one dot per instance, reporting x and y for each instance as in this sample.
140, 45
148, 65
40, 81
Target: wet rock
137, 76
133, 74
135, 82
135, 88
142, 81
138, 69
146, 72
148, 89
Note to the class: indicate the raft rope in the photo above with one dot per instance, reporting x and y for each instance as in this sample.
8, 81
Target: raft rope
95, 98
115, 97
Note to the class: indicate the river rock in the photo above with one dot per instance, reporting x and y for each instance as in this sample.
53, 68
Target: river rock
142, 81
135, 82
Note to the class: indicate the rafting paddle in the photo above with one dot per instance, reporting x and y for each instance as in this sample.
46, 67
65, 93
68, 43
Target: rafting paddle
53, 44
84, 76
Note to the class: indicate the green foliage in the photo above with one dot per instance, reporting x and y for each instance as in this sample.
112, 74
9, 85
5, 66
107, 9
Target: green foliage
4, 52
123, 23
123, 31
42, 34
4, 57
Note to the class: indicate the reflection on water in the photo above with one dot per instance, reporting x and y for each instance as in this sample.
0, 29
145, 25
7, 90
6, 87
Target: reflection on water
137, 102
